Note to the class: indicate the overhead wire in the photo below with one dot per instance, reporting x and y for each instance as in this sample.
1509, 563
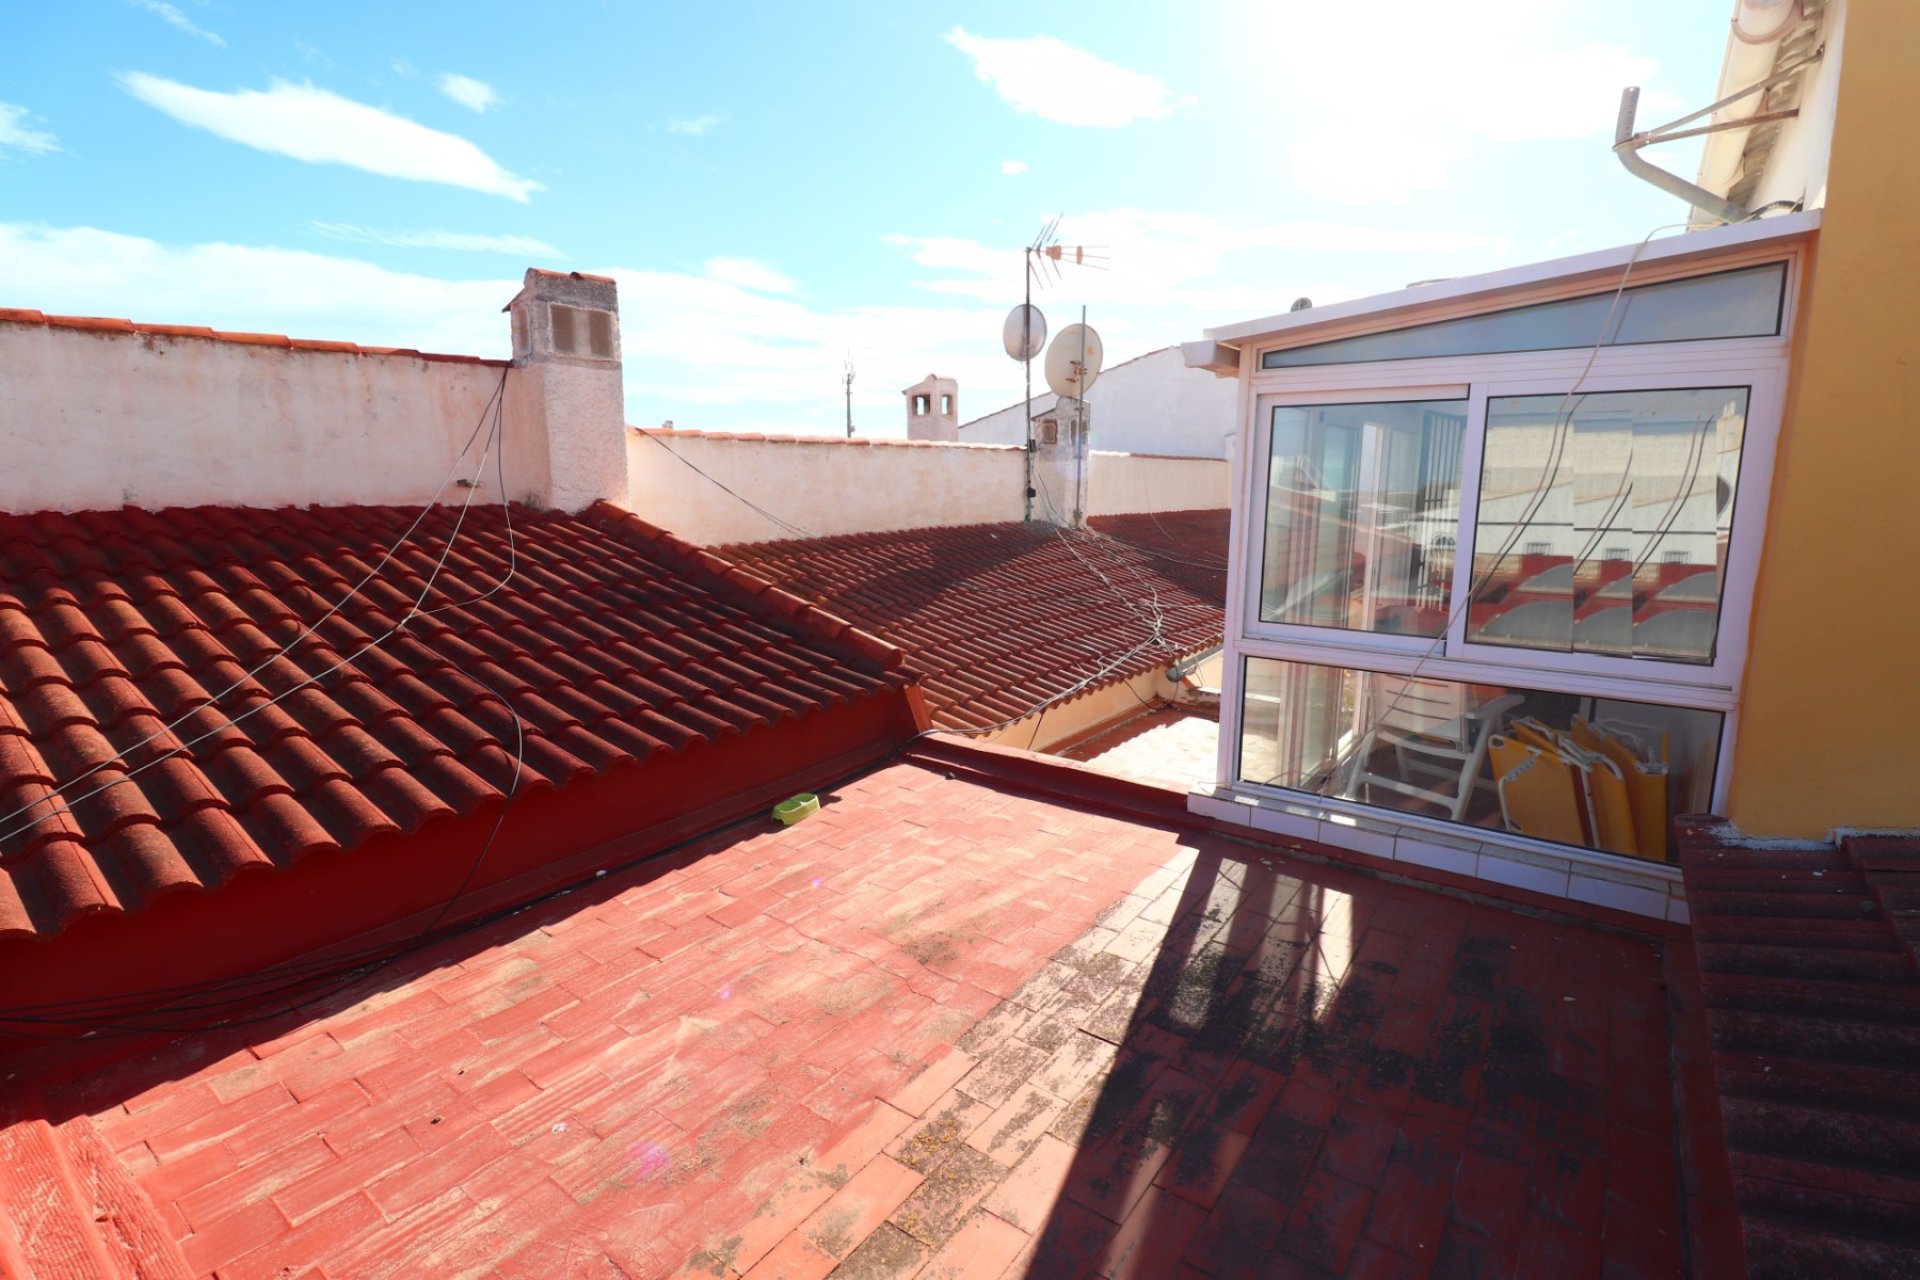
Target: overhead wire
115, 1014
233, 721
492, 406
778, 522
354, 967
1479, 579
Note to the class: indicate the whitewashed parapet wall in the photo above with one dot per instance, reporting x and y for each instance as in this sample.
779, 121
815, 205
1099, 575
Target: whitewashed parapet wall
101, 417
1122, 483
815, 485
1151, 404
798, 486
101, 413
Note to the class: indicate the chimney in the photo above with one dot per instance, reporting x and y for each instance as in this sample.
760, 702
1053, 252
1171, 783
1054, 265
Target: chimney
933, 409
567, 385
1060, 462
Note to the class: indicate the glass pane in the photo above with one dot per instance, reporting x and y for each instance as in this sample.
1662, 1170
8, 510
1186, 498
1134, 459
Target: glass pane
1363, 510
1599, 773
1730, 304
1604, 521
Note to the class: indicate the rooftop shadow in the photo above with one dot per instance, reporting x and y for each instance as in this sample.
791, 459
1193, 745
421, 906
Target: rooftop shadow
1322, 1074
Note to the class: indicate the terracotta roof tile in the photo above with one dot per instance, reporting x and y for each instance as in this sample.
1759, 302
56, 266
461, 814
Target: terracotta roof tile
105, 324
777, 438
614, 642
1000, 618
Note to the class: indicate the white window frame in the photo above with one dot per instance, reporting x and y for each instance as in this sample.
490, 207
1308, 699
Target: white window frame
1759, 364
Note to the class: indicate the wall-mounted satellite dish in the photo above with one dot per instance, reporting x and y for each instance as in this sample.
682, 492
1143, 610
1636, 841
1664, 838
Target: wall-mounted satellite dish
1025, 332
1066, 374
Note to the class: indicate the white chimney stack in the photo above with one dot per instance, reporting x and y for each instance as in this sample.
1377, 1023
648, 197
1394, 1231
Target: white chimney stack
567, 384
933, 409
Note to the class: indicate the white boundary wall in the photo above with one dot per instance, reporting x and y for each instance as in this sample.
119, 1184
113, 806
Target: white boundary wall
1121, 483
817, 485
1151, 404
94, 419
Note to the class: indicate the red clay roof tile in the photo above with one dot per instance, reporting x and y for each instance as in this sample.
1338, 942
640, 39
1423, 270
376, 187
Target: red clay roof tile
761, 438
1000, 618
613, 642
106, 324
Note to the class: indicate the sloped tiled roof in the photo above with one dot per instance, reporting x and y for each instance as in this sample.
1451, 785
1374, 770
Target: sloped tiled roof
1000, 618
1811, 995
611, 640
1189, 545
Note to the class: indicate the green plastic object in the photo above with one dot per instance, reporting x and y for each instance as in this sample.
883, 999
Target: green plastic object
804, 805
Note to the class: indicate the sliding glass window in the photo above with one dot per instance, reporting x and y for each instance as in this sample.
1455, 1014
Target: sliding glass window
1362, 515
1600, 773
1604, 522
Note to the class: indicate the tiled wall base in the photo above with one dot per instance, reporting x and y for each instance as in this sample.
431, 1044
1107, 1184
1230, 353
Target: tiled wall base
1641, 889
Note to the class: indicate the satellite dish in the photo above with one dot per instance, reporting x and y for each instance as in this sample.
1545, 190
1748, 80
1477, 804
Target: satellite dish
1065, 375
1025, 332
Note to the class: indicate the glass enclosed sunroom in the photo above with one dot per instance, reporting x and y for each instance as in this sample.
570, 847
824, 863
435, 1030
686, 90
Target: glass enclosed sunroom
1494, 547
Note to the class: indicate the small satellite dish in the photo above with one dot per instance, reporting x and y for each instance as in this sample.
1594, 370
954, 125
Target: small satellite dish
1066, 376
1025, 332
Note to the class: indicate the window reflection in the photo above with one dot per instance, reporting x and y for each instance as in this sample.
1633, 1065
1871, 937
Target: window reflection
1599, 773
1604, 521
1363, 511
1743, 303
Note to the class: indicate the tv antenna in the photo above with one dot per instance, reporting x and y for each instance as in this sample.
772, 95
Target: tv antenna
846, 385
1025, 331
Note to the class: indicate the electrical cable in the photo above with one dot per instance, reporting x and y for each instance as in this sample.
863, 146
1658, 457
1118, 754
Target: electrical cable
1480, 578
1563, 430
355, 967
298, 974
234, 721
392, 549
790, 527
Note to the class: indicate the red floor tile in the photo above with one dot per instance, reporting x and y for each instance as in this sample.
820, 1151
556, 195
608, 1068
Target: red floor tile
919, 1051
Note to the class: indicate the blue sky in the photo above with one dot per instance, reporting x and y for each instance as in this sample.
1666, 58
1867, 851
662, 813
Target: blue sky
778, 187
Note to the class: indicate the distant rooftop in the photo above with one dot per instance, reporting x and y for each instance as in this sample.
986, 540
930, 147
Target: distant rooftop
998, 619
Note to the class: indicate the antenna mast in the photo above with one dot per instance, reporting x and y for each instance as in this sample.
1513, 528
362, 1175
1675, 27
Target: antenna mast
1044, 256
846, 385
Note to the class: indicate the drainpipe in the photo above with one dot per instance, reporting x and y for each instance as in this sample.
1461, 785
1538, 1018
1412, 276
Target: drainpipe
1181, 670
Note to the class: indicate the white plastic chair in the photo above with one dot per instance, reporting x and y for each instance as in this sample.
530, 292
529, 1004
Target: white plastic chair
1439, 740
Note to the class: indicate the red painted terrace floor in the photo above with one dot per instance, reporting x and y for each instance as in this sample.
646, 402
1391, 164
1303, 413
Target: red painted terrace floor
941, 1030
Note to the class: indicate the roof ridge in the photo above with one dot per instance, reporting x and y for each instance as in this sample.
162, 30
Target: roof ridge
782, 438
870, 535
108, 324
796, 609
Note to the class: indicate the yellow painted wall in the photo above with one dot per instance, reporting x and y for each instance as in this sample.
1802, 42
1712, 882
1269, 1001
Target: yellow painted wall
1830, 716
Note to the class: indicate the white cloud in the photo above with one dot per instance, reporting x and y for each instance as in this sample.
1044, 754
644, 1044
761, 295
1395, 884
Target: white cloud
1056, 81
522, 246
17, 135
693, 126
474, 95
180, 21
259, 289
734, 344
1147, 258
1427, 100
731, 355
319, 127
750, 273
1013, 168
